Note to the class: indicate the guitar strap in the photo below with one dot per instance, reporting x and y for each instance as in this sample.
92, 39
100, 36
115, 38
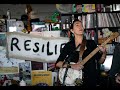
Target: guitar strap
82, 49
78, 81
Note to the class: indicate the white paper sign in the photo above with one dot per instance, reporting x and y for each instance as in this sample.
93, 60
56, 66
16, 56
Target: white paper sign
34, 47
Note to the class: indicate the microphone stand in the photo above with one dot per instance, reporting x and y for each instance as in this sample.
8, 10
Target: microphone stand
65, 75
67, 61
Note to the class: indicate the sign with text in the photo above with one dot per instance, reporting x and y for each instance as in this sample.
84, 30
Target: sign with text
41, 78
34, 47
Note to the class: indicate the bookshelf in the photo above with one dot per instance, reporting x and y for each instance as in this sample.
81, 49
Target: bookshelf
98, 24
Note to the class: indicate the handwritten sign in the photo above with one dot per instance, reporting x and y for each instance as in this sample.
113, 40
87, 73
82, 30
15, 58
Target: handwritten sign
34, 47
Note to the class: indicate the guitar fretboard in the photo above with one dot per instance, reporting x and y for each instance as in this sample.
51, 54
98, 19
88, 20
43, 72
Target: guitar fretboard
113, 36
89, 56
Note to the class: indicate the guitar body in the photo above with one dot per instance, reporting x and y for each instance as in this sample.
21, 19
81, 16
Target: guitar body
71, 77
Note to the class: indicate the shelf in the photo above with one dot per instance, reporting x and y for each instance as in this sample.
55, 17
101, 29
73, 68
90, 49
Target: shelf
109, 12
90, 28
85, 13
110, 54
65, 29
84, 29
101, 28
107, 27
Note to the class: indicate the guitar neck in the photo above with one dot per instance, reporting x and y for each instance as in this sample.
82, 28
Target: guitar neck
113, 36
89, 56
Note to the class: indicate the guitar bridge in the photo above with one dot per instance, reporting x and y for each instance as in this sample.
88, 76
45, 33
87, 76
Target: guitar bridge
78, 82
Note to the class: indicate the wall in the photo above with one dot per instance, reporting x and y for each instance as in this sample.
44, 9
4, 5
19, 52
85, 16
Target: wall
43, 10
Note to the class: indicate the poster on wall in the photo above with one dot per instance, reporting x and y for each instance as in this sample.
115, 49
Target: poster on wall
2, 41
88, 8
25, 71
7, 66
34, 47
41, 78
5, 79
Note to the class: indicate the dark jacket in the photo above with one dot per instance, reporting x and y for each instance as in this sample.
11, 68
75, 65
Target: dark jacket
115, 67
90, 72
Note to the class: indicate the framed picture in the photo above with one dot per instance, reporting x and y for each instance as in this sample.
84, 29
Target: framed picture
88, 8
25, 70
2, 25
37, 65
38, 26
2, 39
3, 28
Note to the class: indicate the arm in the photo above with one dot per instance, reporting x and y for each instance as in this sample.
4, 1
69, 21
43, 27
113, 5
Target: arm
103, 57
62, 56
60, 64
76, 66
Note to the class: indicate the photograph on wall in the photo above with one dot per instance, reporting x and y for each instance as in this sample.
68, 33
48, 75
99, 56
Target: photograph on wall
38, 26
8, 70
25, 71
88, 8
2, 25
2, 28
77, 8
2, 41
9, 79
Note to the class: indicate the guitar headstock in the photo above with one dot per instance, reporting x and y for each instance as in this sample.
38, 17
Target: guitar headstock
112, 36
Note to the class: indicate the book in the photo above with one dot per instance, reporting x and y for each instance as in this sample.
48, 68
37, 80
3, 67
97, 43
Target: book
41, 78
88, 8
